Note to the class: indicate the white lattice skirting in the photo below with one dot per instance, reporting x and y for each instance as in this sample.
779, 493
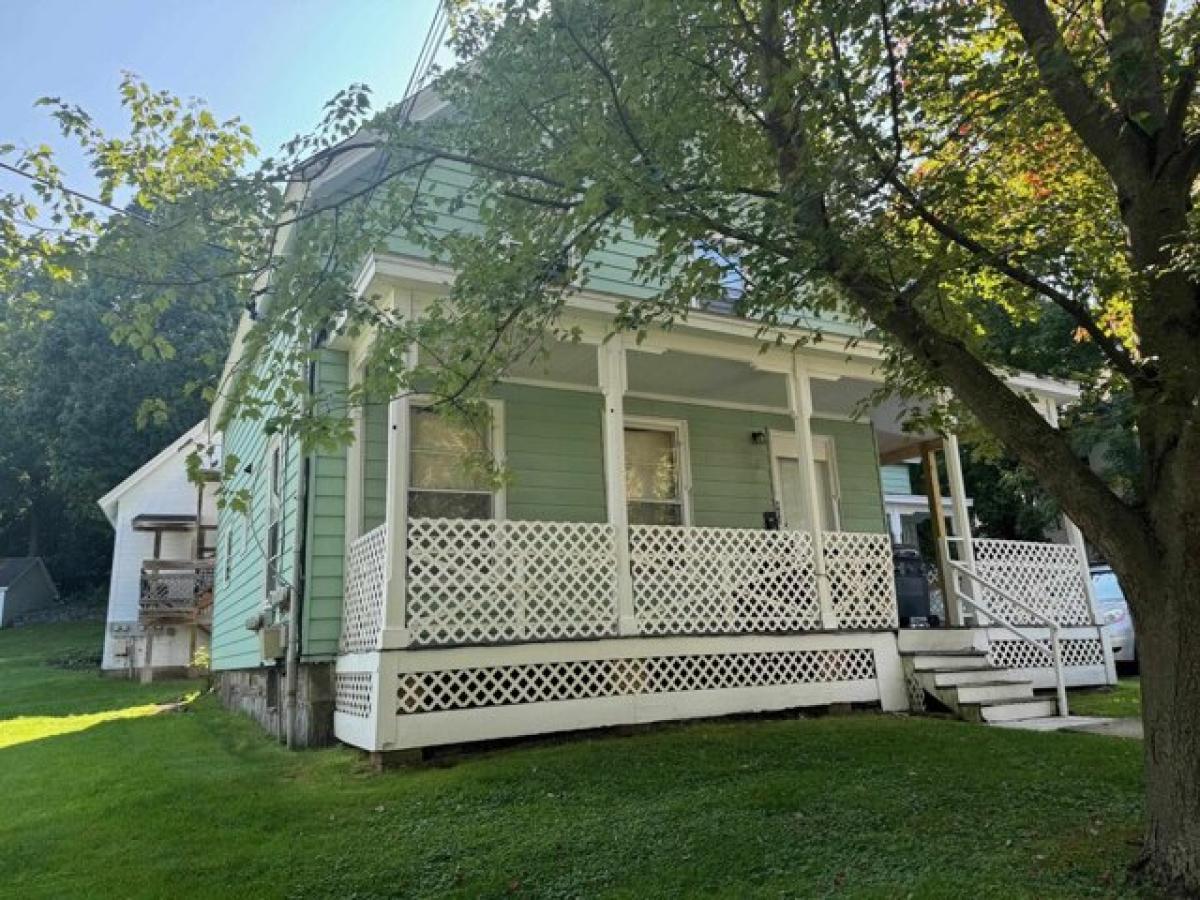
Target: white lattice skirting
1084, 664
588, 679
722, 580
352, 693
480, 581
423, 698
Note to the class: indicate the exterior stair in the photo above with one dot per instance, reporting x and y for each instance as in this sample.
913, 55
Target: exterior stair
951, 666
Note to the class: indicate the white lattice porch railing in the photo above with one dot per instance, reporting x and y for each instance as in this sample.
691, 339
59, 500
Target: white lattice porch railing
707, 580
862, 582
478, 581
1047, 577
362, 613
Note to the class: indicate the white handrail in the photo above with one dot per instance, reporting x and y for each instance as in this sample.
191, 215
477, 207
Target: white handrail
1054, 654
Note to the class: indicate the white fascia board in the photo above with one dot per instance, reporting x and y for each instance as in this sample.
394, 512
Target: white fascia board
108, 503
829, 359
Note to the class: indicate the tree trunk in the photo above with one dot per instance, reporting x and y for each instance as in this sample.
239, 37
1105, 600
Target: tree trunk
1168, 637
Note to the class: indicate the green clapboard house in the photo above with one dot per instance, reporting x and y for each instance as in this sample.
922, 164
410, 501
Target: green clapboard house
690, 527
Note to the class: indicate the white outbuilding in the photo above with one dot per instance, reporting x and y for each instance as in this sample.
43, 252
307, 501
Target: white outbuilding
160, 593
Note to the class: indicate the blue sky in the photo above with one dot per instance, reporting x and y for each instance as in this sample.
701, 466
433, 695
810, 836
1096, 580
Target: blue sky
271, 62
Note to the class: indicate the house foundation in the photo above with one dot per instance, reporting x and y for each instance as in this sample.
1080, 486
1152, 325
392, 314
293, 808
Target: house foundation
262, 695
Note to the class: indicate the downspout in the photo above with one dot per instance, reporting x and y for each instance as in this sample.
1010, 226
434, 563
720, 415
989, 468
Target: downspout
296, 613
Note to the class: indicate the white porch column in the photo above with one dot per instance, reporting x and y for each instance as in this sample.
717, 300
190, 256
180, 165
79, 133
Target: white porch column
395, 634
800, 400
958, 498
962, 516
611, 368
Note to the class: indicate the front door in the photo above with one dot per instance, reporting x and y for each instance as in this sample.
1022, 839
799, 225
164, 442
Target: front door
788, 494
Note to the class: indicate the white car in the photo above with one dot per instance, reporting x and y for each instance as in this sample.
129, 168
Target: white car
1113, 613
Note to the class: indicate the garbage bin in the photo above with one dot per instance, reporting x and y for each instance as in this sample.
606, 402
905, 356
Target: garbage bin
912, 588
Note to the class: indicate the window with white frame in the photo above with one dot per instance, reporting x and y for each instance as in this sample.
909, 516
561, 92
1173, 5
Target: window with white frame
448, 477
654, 475
275, 482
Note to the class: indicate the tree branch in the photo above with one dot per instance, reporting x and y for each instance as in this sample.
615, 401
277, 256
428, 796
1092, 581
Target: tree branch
1101, 127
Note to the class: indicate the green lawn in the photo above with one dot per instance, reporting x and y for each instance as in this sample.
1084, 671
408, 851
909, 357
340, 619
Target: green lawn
1123, 701
199, 803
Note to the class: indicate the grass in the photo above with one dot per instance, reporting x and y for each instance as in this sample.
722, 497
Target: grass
200, 804
34, 687
1123, 701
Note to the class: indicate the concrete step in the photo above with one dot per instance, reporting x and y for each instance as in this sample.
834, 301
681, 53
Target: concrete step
1011, 711
991, 692
947, 678
934, 640
950, 660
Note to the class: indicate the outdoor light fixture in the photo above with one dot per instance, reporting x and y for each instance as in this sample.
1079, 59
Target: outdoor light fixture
758, 436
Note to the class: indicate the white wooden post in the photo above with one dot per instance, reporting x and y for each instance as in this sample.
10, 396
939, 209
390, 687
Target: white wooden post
395, 634
611, 368
937, 521
958, 505
800, 399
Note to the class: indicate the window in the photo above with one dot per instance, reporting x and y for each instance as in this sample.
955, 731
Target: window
229, 554
447, 479
730, 286
654, 476
275, 479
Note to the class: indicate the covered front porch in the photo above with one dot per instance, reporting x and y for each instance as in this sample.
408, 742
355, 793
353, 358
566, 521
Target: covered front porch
688, 526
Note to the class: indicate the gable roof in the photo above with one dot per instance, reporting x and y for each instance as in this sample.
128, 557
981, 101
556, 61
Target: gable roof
172, 453
13, 568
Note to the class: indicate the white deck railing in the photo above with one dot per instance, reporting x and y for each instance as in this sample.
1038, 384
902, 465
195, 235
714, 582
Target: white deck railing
474, 581
862, 580
362, 612
719, 580
1044, 578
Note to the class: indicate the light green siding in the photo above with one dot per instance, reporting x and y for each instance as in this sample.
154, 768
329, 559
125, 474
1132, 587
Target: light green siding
240, 582
861, 507
242, 593
554, 445
326, 546
731, 475
610, 269
374, 462
554, 450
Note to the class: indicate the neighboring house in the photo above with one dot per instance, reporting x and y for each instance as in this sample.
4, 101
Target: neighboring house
25, 587
905, 507
623, 573
160, 592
